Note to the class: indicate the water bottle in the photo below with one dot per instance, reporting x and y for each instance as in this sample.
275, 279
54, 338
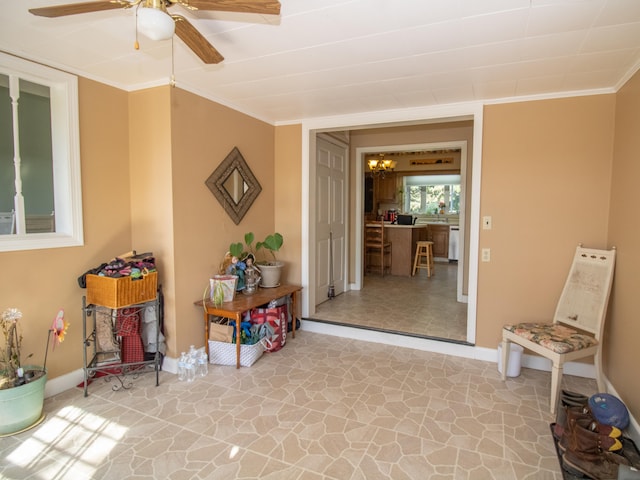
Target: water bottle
203, 366
182, 367
191, 368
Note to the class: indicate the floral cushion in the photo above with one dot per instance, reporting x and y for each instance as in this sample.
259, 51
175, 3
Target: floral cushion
554, 336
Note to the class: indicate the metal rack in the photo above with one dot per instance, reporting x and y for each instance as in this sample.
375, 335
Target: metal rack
107, 363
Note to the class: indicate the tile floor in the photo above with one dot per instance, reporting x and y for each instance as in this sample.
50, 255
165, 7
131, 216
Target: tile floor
420, 305
322, 408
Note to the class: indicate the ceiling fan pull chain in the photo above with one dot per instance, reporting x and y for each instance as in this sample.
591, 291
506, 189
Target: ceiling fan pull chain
136, 45
172, 82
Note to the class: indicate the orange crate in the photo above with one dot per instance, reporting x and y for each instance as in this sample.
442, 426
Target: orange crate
121, 292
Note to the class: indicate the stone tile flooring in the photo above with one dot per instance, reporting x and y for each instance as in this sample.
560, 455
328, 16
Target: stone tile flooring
322, 408
420, 305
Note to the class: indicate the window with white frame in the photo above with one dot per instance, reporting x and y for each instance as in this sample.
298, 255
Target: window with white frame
432, 194
40, 190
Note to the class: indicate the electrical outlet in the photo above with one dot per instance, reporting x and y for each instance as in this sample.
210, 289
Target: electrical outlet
486, 254
486, 223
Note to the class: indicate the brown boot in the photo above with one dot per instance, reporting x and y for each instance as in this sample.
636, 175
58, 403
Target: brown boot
583, 414
563, 411
600, 429
579, 436
597, 467
630, 452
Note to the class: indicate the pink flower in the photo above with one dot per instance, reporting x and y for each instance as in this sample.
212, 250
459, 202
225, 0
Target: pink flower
59, 327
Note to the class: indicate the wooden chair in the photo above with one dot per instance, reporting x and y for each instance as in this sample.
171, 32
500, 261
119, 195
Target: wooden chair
375, 245
578, 323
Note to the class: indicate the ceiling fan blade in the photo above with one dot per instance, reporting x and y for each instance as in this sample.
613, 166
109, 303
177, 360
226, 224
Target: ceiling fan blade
75, 8
271, 7
196, 41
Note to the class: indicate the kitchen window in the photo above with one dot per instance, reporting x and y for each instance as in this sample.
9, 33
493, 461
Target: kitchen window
432, 194
40, 190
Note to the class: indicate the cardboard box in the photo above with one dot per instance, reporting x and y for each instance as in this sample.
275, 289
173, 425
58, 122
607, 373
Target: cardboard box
121, 292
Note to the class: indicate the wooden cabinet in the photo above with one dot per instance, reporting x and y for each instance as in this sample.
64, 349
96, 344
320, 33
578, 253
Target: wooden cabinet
386, 188
439, 235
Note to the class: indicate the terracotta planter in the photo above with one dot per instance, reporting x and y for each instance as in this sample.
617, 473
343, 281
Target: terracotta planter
21, 407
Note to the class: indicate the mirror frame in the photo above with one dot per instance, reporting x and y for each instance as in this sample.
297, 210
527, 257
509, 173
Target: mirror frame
234, 161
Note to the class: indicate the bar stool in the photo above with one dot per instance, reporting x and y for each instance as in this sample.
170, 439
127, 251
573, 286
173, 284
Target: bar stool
424, 257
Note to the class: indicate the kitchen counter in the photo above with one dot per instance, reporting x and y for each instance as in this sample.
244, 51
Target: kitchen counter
403, 240
446, 224
391, 225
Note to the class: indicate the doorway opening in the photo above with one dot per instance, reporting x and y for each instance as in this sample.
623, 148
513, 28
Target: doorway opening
355, 220
431, 307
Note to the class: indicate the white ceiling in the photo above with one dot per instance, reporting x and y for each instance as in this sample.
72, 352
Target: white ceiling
333, 57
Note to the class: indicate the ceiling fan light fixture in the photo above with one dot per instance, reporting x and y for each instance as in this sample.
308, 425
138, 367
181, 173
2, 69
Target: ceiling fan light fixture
155, 24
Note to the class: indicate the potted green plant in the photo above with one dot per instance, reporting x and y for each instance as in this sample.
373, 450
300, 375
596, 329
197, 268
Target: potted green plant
236, 260
272, 243
238, 249
270, 268
22, 386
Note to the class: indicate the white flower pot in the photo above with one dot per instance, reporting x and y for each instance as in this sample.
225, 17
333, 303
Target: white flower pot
270, 274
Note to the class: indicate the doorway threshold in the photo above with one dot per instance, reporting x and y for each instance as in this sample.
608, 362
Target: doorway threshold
390, 331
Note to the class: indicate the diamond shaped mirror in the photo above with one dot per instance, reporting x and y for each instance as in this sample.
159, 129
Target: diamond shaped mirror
234, 185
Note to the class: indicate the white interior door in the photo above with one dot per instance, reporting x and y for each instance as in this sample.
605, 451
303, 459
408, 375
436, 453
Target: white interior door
330, 218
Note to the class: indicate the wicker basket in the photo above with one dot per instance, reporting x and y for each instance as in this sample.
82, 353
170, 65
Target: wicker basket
223, 353
121, 292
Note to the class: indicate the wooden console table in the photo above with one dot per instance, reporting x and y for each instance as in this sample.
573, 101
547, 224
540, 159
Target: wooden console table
233, 310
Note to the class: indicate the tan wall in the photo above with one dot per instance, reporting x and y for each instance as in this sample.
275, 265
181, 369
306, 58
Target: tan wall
622, 354
203, 133
151, 191
288, 198
39, 282
546, 170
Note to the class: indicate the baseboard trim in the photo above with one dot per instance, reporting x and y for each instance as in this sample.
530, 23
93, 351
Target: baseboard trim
63, 383
73, 379
170, 364
441, 346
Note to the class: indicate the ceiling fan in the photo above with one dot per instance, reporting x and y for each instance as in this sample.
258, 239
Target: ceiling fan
155, 22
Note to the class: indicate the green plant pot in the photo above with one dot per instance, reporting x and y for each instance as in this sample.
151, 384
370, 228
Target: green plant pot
21, 407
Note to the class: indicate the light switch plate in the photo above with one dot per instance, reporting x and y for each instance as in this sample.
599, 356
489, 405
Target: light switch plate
486, 222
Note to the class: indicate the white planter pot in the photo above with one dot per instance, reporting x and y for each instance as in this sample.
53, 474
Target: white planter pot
270, 274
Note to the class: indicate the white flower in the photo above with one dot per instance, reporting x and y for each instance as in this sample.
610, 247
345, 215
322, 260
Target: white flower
11, 315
